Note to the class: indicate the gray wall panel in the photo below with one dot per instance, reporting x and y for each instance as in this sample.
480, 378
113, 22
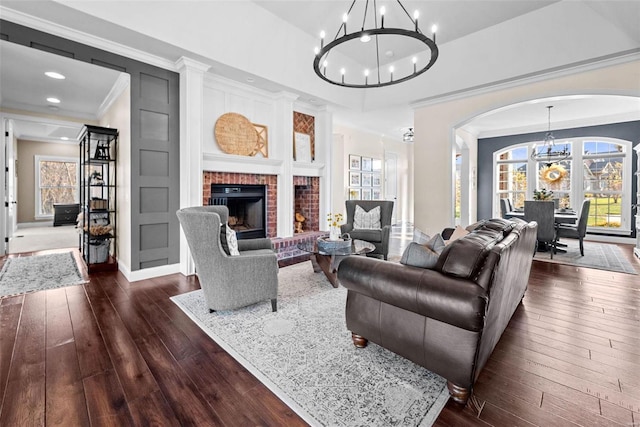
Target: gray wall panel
154, 236
154, 163
154, 200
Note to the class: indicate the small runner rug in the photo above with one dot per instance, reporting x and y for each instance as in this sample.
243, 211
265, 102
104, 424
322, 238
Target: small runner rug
304, 354
39, 272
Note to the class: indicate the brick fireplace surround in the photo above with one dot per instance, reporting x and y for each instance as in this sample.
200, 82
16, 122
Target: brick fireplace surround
308, 192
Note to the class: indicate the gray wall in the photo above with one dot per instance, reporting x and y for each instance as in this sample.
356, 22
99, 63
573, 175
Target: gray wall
629, 131
155, 143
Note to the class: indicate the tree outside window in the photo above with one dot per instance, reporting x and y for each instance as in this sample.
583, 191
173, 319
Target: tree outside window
57, 181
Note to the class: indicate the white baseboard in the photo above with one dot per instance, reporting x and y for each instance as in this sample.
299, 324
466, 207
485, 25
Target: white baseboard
35, 224
148, 273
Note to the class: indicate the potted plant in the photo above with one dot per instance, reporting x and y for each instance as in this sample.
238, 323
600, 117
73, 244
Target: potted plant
542, 194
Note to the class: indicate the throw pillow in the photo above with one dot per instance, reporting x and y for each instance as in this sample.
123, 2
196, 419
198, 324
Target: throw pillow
457, 233
223, 238
423, 256
420, 236
232, 241
364, 220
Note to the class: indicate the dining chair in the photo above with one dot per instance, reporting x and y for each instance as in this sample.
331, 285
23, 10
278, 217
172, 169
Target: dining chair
504, 207
542, 212
578, 230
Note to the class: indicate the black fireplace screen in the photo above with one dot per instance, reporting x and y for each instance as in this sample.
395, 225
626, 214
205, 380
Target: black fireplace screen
247, 208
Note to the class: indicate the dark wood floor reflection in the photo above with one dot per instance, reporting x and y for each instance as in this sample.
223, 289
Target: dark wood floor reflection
118, 353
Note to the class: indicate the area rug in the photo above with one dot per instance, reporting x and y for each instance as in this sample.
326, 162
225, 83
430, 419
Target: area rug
305, 355
602, 256
39, 272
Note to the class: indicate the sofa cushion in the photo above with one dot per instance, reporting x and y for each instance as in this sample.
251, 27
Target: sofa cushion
423, 256
465, 256
458, 232
368, 235
366, 220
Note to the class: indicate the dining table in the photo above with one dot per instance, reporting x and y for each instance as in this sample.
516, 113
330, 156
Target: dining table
560, 216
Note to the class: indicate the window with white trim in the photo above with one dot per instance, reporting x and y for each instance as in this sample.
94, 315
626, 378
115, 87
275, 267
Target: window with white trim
56, 182
598, 169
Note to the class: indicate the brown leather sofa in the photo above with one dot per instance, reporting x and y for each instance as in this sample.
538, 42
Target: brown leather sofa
450, 318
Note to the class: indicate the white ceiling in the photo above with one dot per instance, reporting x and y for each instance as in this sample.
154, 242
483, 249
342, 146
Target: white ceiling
25, 87
482, 43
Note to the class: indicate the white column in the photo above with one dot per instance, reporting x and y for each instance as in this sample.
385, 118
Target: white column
284, 138
191, 141
324, 153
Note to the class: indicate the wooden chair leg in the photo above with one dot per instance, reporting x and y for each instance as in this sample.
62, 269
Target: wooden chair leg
581, 247
274, 305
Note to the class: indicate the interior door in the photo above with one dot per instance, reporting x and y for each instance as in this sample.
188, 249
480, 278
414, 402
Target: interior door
391, 181
11, 182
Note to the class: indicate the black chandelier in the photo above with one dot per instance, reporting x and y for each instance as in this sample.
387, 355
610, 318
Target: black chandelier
547, 152
419, 63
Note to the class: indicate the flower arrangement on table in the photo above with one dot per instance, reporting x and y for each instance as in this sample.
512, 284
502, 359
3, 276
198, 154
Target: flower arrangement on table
542, 194
334, 220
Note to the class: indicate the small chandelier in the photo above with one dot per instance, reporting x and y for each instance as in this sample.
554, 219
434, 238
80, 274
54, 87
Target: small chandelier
547, 152
418, 64
408, 135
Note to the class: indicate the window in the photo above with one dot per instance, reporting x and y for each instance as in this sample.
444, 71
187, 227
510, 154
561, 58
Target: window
56, 182
598, 169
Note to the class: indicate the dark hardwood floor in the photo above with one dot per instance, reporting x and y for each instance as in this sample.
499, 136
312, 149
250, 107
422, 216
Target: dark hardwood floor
118, 353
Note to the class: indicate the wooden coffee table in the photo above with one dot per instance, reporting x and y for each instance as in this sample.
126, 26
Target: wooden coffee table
328, 261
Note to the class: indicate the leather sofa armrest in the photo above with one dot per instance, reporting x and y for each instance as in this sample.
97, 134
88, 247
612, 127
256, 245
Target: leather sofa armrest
458, 302
254, 244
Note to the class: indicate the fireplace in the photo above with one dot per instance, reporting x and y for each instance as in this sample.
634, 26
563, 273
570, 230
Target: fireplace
247, 208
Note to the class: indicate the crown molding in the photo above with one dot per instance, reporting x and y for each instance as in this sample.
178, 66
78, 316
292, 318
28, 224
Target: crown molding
85, 38
191, 65
122, 82
553, 73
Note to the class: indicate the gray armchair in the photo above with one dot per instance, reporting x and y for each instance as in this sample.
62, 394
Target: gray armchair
380, 238
542, 212
576, 231
229, 282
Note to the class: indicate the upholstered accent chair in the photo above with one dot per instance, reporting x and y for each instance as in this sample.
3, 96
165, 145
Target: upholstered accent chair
378, 236
542, 212
576, 231
229, 282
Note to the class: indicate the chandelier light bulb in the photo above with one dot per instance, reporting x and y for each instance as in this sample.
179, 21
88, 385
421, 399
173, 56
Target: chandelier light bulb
416, 15
322, 34
345, 17
382, 12
366, 72
366, 76
316, 50
366, 38
415, 62
342, 71
434, 29
391, 72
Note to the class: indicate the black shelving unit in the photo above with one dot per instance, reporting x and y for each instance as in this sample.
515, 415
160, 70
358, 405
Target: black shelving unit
98, 191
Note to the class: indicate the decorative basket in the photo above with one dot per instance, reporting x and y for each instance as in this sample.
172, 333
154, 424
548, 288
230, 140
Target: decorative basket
327, 245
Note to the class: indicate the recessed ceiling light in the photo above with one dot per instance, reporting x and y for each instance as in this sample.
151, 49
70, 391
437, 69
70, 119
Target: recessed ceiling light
64, 138
53, 100
54, 75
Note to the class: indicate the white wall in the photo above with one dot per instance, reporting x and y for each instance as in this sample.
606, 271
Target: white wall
118, 116
435, 129
347, 141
